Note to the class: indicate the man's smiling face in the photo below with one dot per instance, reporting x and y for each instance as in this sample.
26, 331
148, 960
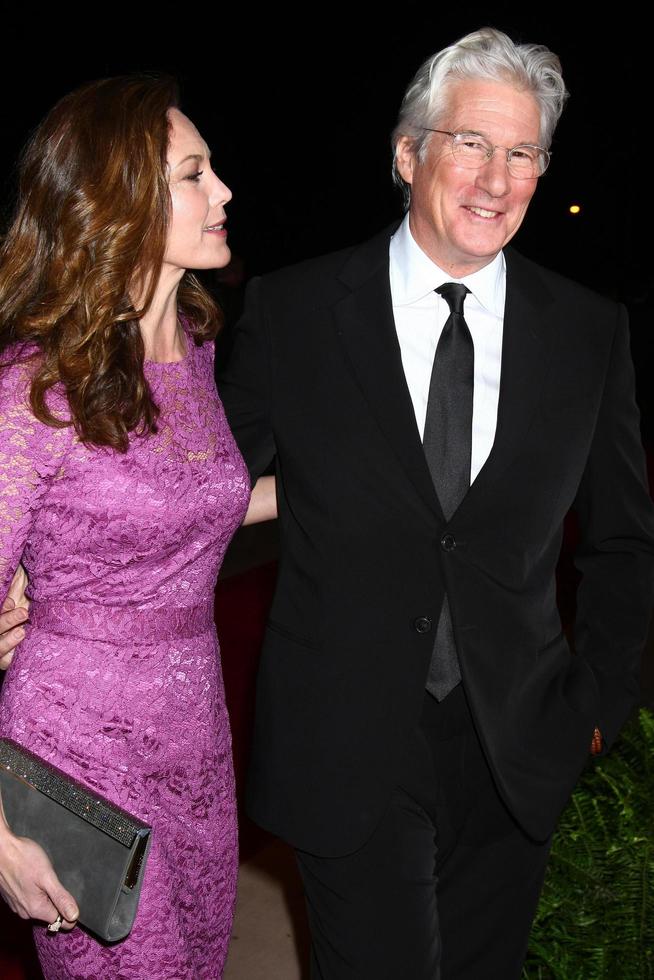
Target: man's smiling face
462, 217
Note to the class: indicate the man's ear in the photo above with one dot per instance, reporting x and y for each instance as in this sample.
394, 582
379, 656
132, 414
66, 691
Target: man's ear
405, 158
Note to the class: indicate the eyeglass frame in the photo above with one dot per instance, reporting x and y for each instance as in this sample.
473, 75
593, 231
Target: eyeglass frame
508, 150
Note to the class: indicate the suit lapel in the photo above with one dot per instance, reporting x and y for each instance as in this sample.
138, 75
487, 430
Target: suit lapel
526, 351
364, 323
365, 326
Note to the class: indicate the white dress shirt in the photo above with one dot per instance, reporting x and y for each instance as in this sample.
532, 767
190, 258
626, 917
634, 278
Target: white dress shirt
420, 314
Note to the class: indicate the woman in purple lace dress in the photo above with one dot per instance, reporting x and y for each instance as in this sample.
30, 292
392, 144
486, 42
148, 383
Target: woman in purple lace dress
120, 488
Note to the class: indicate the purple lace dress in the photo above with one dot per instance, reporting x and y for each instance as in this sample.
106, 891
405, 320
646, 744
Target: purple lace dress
118, 681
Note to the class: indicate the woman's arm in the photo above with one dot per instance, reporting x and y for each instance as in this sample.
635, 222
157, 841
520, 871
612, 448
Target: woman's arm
263, 502
31, 455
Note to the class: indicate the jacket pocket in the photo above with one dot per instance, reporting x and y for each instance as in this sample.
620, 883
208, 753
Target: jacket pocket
293, 637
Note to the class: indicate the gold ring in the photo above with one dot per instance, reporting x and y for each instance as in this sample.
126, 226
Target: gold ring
56, 925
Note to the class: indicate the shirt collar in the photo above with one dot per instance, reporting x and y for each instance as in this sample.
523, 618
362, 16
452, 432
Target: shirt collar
414, 275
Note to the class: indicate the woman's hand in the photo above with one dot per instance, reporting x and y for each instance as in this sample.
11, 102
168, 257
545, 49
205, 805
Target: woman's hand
29, 885
13, 614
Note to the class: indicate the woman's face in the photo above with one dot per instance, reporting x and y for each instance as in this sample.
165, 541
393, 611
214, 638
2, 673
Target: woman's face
197, 236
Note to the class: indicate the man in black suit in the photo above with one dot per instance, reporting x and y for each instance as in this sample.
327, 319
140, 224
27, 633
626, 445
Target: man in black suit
435, 404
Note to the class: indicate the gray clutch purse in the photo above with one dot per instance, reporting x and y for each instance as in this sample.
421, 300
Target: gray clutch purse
97, 850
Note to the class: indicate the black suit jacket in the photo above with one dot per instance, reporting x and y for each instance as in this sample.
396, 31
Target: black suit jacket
316, 381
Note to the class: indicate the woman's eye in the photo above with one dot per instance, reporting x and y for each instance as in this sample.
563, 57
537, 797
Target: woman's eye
196, 176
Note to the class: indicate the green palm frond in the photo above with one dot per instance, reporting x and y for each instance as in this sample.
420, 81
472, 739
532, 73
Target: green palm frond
595, 920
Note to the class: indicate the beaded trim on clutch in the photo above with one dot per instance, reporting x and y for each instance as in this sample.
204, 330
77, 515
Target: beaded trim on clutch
97, 849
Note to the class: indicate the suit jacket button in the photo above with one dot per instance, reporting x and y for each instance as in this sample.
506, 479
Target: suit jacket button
422, 624
448, 542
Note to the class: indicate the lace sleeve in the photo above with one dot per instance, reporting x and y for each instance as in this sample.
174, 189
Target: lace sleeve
31, 457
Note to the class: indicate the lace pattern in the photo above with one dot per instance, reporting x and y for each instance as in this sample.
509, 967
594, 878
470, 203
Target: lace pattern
118, 681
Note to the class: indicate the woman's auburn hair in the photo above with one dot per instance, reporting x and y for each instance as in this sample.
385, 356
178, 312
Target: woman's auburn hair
92, 221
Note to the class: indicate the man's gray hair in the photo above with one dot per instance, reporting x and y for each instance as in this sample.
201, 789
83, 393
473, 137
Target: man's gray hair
487, 54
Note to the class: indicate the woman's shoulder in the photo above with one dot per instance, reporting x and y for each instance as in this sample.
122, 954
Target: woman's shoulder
32, 451
19, 352
19, 364
200, 351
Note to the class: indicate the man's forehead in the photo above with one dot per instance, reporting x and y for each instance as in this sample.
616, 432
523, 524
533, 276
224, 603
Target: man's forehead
477, 103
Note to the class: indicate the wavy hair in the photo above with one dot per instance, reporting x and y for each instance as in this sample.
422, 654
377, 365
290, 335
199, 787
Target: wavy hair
487, 54
91, 222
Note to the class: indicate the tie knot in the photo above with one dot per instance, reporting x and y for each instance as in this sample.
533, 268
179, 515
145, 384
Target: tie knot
454, 294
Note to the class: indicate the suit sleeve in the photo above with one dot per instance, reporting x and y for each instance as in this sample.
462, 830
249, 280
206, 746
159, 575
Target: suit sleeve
245, 386
616, 551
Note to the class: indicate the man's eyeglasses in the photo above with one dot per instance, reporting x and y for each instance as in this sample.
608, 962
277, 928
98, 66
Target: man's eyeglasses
472, 150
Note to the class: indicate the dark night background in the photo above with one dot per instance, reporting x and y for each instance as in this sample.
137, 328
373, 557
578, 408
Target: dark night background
298, 107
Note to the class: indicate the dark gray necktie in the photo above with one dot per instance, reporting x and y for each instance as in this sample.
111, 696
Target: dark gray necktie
448, 445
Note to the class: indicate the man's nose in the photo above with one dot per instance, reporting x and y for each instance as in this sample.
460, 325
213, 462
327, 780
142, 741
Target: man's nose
494, 176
